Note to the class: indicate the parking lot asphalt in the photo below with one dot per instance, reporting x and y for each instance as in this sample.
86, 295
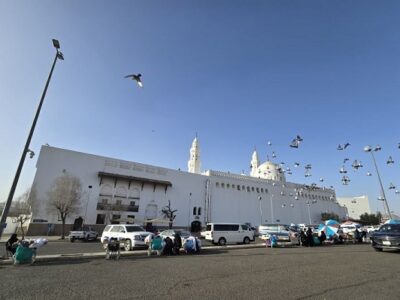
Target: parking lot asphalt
65, 250
331, 272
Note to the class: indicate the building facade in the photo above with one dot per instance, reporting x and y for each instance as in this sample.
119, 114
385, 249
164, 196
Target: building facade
116, 191
356, 206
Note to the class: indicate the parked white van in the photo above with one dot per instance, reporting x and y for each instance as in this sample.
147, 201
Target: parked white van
227, 233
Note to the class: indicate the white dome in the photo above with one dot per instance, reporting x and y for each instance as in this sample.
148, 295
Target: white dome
269, 170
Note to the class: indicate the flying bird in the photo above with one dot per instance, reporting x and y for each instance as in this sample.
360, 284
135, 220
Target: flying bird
339, 147
342, 170
136, 78
273, 155
378, 147
296, 164
397, 191
345, 180
269, 143
308, 167
392, 186
390, 160
346, 145
321, 179
369, 174
296, 142
345, 160
356, 164
307, 174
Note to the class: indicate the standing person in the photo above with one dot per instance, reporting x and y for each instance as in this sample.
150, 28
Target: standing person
12, 243
303, 238
356, 236
322, 237
310, 238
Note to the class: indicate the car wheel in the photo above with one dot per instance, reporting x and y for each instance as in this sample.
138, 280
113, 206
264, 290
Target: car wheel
222, 242
128, 246
246, 240
378, 249
72, 240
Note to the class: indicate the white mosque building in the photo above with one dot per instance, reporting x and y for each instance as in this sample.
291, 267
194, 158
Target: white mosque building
119, 191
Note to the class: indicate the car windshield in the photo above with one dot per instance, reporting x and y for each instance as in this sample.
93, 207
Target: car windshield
134, 228
390, 228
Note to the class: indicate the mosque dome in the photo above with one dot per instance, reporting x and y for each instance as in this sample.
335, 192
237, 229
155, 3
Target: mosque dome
269, 170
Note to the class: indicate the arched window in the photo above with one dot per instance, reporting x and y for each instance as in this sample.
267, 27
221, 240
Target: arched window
199, 211
194, 210
134, 193
106, 190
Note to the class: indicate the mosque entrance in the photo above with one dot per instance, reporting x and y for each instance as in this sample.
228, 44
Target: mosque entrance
77, 223
195, 226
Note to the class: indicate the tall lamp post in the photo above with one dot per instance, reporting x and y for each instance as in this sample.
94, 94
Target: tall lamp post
87, 202
26, 150
261, 212
377, 148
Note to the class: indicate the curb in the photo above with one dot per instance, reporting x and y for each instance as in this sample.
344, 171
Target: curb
101, 255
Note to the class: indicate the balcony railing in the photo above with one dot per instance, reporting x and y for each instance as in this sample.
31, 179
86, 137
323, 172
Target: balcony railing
117, 207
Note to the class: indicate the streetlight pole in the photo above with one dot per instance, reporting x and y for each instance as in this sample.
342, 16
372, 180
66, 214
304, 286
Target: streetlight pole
190, 203
87, 202
272, 209
261, 213
385, 204
3, 219
309, 212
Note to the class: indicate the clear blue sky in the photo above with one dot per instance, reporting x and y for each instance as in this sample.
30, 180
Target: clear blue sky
239, 73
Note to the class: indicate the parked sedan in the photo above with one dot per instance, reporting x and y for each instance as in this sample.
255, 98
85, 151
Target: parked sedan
171, 234
387, 237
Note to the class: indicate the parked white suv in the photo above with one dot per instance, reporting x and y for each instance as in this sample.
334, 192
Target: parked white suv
130, 235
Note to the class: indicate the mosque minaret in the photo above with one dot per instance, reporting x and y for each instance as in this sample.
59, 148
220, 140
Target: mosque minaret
194, 165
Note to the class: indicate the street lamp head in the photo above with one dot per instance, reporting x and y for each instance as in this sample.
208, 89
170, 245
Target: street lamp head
56, 44
60, 55
367, 148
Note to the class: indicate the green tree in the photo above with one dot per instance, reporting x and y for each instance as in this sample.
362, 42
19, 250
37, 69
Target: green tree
329, 216
370, 219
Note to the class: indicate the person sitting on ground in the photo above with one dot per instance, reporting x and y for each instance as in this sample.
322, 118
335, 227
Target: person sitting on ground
177, 243
156, 244
169, 245
12, 243
190, 245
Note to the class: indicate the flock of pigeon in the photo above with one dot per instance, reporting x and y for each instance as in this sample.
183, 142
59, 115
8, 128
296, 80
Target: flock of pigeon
356, 164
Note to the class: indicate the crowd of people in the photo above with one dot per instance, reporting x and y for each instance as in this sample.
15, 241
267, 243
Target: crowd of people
309, 238
169, 246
